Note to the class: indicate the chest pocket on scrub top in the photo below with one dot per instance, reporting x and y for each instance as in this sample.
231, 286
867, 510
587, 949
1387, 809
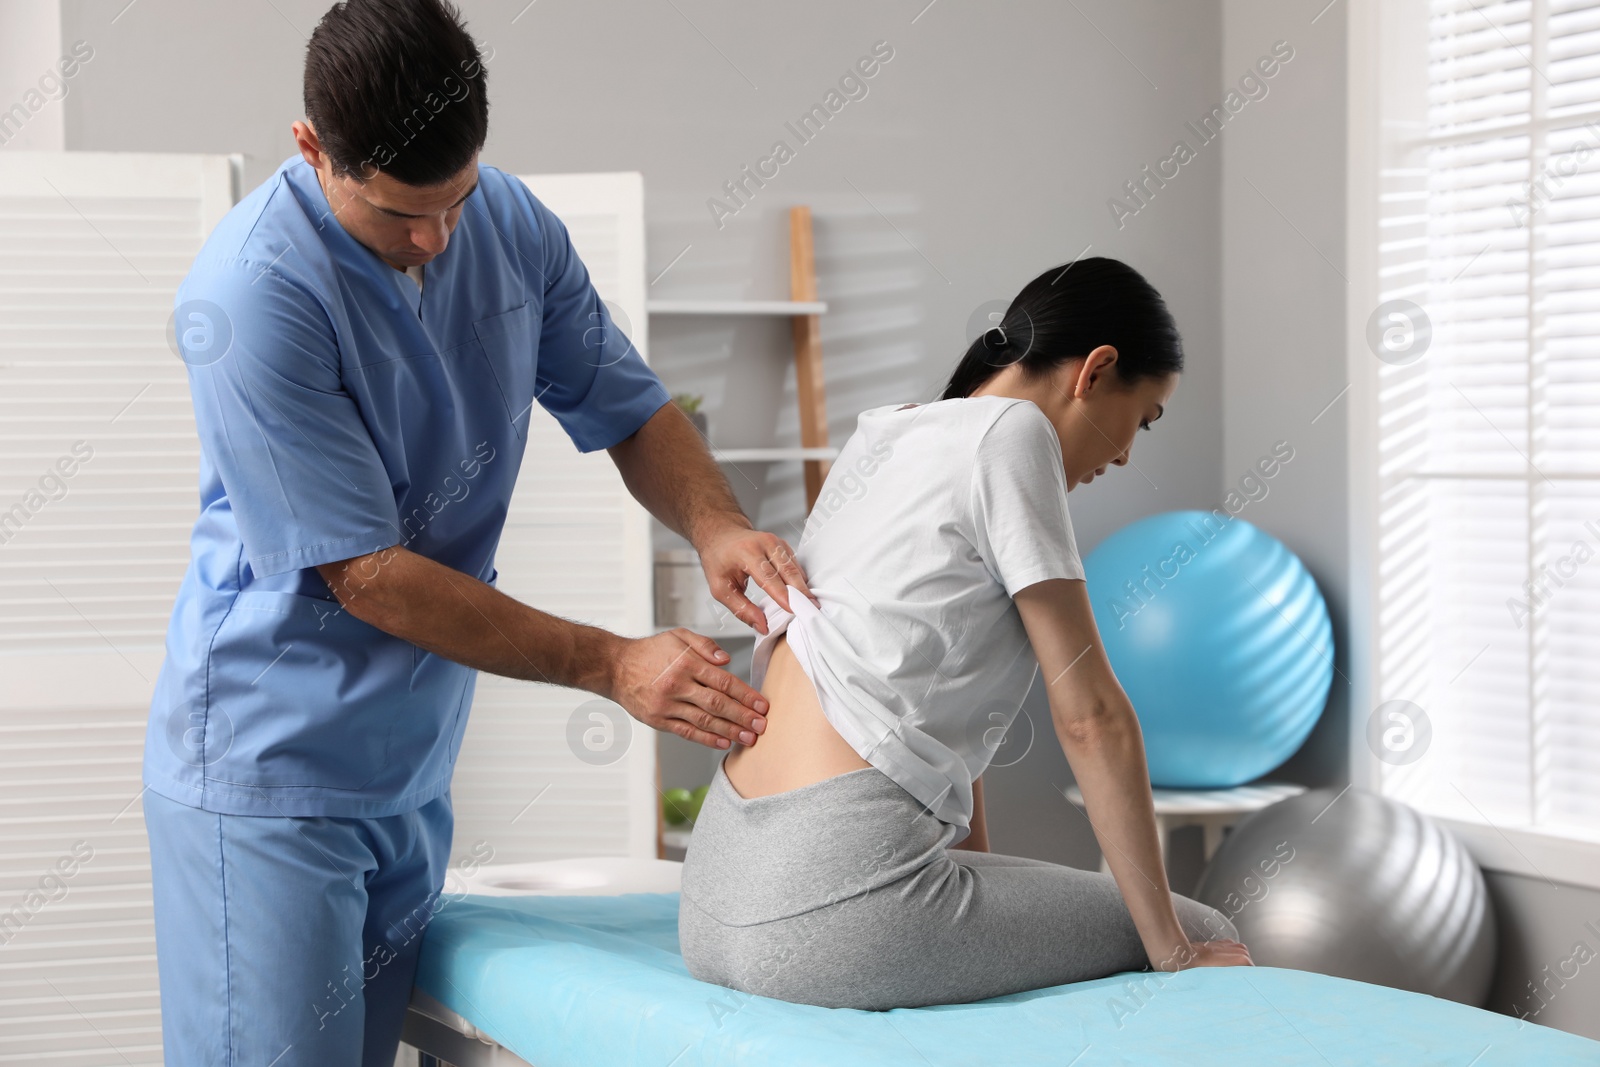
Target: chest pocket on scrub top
510, 344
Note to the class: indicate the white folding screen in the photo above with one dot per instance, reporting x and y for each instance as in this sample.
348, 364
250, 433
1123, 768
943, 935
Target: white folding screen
98, 489
1480, 348
543, 772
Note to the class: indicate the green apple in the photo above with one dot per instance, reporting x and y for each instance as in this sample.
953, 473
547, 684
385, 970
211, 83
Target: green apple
696, 799
678, 806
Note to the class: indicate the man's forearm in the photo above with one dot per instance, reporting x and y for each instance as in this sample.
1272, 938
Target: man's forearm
666, 466
460, 618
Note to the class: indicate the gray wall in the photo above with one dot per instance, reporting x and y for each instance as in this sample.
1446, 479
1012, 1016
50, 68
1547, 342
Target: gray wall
983, 153
1283, 299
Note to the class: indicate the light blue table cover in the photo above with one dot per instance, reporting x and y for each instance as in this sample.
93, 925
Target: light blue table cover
599, 982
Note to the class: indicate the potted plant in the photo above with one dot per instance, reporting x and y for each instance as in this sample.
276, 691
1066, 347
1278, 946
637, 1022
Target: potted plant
681, 807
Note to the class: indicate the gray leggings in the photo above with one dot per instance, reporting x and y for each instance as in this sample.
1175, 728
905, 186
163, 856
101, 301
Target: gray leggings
842, 894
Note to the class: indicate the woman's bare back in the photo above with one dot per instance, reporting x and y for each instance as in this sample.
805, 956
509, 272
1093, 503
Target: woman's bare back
799, 745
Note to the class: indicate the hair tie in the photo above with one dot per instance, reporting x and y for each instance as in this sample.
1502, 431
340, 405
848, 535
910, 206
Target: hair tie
994, 337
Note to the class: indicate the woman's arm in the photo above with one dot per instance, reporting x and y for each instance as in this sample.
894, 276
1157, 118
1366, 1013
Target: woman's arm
1100, 735
977, 839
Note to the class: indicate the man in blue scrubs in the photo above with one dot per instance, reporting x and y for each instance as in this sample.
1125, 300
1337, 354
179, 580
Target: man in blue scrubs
366, 334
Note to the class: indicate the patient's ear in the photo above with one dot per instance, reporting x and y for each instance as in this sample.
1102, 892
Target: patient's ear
1093, 372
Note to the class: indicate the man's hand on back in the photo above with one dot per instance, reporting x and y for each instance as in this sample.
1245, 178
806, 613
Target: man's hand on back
674, 681
735, 554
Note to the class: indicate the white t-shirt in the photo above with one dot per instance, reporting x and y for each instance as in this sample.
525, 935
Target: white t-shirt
930, 520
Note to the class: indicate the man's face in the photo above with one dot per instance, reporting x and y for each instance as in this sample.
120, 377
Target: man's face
404, 225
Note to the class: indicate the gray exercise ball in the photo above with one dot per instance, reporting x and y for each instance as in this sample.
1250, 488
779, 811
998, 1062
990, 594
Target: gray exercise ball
1357, 886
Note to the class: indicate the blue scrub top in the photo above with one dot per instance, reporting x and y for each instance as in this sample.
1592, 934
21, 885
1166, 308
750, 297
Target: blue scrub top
340, 412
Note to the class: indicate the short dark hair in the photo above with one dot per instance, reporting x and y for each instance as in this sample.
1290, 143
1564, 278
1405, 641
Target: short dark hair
397, 87
1067, 312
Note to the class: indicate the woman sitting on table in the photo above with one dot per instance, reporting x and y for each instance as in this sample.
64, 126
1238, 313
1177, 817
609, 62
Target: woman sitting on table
822, 869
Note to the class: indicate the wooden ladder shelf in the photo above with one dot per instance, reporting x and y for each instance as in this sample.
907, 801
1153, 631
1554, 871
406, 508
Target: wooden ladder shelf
808, 350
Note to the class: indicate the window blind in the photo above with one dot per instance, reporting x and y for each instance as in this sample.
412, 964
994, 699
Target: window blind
1488, 413
98, 473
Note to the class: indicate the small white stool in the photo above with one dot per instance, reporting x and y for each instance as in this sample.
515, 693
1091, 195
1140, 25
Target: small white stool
1213, 810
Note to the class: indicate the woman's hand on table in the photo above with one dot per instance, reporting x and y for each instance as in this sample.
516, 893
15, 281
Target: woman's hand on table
1222, 952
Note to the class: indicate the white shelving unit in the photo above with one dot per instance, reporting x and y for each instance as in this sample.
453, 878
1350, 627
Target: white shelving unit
803, 310
774, 308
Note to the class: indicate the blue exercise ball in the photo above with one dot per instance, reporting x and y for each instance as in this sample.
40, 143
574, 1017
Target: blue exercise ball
1221, 640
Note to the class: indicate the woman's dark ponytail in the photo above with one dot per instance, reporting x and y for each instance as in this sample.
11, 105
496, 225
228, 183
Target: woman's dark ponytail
1066, 313
988, 352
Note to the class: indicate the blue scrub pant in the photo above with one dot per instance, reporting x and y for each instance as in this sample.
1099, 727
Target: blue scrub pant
290, 941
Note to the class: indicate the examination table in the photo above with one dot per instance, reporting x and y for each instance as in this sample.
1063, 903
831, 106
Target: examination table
575, 963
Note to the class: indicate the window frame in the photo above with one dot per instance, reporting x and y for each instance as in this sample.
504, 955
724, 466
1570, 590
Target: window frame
1533, 852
